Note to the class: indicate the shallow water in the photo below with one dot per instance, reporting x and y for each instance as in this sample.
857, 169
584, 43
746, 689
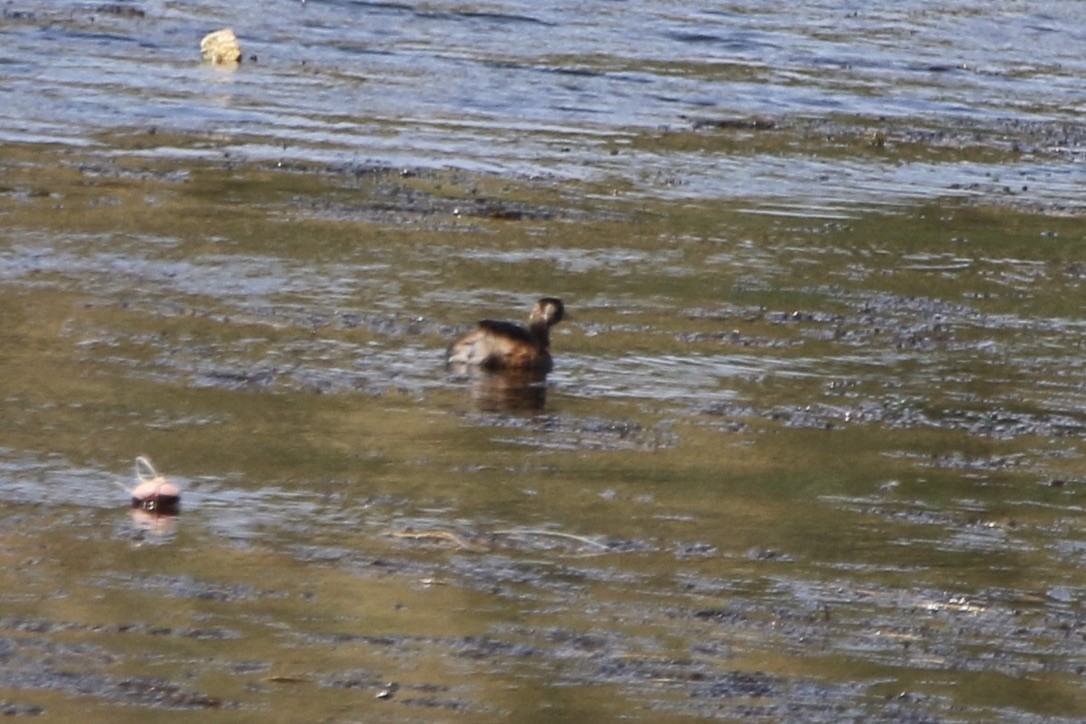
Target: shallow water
812, 449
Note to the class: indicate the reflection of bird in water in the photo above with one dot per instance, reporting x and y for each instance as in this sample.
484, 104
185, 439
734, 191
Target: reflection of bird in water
504, 390
497, 345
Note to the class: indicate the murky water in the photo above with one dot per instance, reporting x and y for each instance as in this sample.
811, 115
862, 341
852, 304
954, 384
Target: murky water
812, 449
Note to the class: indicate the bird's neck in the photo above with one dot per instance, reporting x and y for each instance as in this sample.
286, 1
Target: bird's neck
541, 333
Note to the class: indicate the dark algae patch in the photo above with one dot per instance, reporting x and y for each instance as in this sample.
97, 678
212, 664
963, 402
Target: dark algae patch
790, 465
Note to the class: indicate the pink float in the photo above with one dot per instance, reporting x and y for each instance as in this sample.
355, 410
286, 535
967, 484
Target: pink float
153, 493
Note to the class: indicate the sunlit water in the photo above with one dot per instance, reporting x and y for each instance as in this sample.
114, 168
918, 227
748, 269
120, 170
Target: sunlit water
812, 449
568, 89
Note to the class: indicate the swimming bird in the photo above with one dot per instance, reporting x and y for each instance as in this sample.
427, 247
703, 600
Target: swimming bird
495, 345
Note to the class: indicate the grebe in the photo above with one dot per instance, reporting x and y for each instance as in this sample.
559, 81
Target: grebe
495, 345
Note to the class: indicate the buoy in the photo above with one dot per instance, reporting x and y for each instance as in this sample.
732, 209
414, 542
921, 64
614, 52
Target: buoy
153, 492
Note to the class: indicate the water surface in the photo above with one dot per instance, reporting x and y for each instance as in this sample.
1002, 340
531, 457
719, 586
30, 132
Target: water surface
575, 91
812, 449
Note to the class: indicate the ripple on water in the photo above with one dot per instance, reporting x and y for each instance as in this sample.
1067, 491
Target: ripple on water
533, 91
671, 378
54, 482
